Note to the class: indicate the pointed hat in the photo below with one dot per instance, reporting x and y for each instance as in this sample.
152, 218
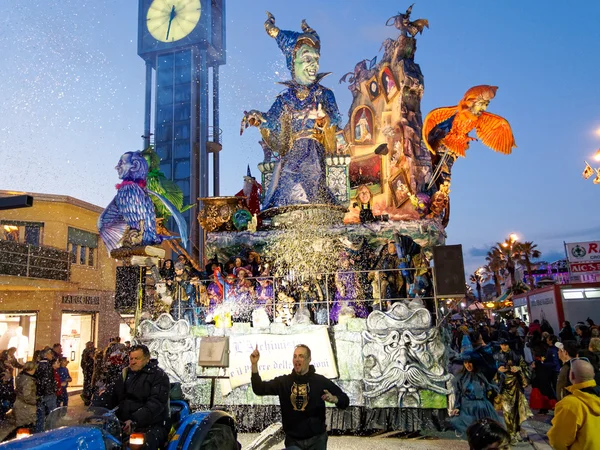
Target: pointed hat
289, 41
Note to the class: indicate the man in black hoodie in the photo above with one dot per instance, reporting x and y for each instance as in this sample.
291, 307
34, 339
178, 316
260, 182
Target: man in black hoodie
302, 396
142, 395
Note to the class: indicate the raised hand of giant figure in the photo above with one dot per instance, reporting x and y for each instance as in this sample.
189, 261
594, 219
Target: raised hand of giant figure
252, 118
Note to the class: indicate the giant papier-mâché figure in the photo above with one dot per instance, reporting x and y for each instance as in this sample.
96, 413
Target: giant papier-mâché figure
300, 126
130, 219
446, 130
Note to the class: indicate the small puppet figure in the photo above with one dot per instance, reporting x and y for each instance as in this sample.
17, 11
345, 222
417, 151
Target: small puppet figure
251, 192
407, 27
264, 290
440, 204
184, 295
381, 290
245, 295
284, 309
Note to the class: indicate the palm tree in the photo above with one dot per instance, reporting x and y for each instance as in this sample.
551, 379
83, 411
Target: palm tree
493, 266
507, 252
526, 252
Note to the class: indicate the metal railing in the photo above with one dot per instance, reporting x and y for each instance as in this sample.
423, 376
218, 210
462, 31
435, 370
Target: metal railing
323, 290
24, 260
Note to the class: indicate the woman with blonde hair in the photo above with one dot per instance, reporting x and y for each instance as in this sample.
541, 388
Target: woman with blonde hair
364, 202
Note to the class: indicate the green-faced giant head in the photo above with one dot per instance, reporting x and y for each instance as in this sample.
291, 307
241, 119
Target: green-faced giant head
306, 65
301, 50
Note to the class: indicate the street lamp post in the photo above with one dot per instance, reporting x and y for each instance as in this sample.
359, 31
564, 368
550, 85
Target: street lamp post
510, 264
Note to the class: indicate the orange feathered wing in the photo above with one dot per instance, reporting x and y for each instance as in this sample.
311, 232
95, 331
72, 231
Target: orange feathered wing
435, 117
495, 132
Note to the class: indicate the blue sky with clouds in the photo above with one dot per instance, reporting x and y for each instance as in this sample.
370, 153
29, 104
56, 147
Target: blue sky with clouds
72, 99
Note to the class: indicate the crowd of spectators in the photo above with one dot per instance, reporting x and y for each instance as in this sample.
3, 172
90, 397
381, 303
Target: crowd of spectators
502, 359
243, 284
39, 388
42, 384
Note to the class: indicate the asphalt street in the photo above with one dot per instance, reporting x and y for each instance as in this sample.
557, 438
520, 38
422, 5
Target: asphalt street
430, 441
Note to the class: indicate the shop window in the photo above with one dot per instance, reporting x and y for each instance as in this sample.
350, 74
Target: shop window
82, 255
23, 232
82, 246
77, 328
18, 330
73, 252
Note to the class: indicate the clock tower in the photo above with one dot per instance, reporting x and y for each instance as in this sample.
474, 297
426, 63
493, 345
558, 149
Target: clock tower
183, 45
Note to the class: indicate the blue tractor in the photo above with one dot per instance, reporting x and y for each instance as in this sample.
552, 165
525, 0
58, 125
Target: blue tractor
83, 427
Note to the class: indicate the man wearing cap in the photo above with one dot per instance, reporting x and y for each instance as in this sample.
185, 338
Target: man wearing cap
577, 417
302, 396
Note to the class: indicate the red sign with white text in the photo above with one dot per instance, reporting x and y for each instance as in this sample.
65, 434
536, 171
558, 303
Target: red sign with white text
585, 267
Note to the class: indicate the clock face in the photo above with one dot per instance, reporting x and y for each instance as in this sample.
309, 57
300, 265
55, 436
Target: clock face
172, 20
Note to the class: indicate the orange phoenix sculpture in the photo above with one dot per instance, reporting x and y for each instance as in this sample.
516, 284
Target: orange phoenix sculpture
446, 130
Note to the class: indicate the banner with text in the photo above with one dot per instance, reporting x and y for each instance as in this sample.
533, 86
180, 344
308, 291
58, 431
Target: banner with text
583, 252
584, 257
276, 355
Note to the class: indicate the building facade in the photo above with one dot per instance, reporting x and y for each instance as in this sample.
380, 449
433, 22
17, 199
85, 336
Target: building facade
57, 279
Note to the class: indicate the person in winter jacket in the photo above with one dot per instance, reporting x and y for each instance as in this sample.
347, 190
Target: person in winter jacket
64, 379
7, 389
566, 352
472, 391
24, 410
577, 416
55, 367
550, 365
87, 367
566, 333
302, 396
142, 395
46, 388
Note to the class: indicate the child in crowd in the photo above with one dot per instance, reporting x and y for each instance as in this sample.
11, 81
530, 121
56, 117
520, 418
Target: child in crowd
57, 385
62, 398
487, 434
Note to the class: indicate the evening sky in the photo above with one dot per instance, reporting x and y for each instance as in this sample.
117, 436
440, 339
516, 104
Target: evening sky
72, 99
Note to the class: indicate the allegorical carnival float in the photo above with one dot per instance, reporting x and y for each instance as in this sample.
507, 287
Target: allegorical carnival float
331, 249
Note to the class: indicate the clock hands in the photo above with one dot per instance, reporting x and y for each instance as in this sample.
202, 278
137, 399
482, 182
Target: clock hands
171, 17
